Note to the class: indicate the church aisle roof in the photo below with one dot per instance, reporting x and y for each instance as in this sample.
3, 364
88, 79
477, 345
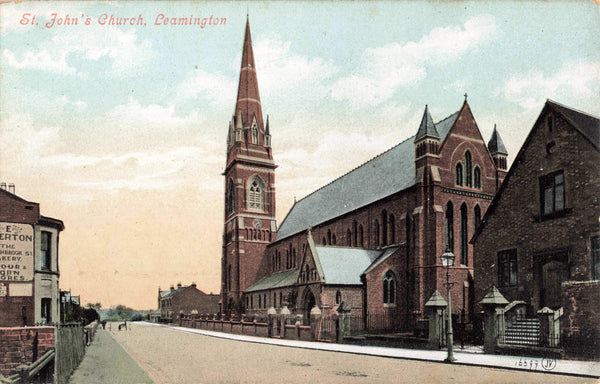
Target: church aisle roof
342, 265
275, 280
390, 172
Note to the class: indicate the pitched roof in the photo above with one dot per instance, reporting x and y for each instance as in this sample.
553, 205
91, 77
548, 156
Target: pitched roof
345, 265
496, 145
275, 280
390, 172
586, 124
426, 128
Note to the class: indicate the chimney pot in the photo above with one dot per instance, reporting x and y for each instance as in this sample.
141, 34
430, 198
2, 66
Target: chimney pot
3, 186
11, 188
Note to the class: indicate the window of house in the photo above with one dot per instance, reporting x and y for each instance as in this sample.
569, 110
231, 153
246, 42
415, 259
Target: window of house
507, 268
459, 175
468, 169
46, 310
46, 250
477, 178
595, 257
464, 240
389, 288
230, 197
449, 226
552, 193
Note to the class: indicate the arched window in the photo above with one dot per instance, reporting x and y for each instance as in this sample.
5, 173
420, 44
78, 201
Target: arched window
259, 301
389, 288
468, 169
459, 174
476, 217
450, 226
230, 197
355, 232
287, 259
333, 239
376, 232
293, 257
392, 229
464, 250
329, 237
361, 238
384, 227
229, 277
256, 194
338, 297
348, 238
254, 135
477, 178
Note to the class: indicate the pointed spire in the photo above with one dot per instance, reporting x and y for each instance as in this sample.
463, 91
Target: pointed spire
427, 128
248, 98
267, 126
495, 145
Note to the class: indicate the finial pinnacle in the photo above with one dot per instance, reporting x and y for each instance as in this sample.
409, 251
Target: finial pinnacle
466, 96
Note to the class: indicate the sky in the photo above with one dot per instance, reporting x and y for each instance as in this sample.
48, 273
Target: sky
120, 130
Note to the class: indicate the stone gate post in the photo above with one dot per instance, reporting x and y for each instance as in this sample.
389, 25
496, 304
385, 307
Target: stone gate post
435, 308
493, 323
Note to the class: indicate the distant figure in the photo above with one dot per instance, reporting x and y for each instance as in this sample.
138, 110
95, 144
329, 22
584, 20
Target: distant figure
103, 324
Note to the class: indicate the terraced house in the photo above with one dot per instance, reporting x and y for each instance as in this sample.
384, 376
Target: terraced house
371, 238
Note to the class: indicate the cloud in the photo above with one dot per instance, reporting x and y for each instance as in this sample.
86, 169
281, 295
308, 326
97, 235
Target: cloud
134, 113
385, 69
283, 72
126, 53
217, 88
574, 81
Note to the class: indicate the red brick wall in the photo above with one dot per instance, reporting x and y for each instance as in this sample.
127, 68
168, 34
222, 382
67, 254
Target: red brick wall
17, 210
192, 298
515, 221
580, 323
11, 311
23, 346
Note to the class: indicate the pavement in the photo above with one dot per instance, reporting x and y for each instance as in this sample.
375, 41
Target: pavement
105, 361
519, 363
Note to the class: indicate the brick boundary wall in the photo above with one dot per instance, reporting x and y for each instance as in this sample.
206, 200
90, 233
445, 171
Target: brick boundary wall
23, 345
580, 323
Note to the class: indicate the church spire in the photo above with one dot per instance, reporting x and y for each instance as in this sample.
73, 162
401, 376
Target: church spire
248, 98
427, 127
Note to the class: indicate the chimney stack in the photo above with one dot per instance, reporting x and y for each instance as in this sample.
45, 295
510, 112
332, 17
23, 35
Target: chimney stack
11, 188
3, 186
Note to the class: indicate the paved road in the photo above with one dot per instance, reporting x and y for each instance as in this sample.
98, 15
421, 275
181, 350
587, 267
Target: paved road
170, 356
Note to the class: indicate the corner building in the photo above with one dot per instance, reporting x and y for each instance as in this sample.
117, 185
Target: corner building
371, 238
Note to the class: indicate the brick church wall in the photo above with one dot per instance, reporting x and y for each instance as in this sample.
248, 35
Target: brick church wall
580, 323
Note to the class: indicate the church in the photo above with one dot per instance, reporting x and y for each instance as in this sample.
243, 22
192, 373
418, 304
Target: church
373, 237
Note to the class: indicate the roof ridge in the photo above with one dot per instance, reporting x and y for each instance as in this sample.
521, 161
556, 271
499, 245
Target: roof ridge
355, 168
572, 109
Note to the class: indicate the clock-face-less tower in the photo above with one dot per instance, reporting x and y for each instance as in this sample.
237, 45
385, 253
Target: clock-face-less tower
249, 188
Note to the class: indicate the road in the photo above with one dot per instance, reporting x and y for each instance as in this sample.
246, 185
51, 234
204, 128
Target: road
171, 356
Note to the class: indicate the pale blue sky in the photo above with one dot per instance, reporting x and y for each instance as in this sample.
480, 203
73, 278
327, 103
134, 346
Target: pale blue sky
121, 131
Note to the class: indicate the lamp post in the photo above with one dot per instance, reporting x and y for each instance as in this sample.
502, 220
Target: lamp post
448, 261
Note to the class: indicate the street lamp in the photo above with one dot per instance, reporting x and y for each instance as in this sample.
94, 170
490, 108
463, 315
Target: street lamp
448, 261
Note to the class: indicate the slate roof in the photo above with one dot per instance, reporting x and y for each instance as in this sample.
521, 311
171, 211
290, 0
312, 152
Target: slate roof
496, 145
427, 128
390, 172
343, 265
173, 292
275, 280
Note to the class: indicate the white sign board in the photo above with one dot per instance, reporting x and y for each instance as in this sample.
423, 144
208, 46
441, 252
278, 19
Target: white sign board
16, 252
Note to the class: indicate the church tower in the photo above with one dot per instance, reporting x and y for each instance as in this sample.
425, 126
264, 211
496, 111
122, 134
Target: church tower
250, 223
